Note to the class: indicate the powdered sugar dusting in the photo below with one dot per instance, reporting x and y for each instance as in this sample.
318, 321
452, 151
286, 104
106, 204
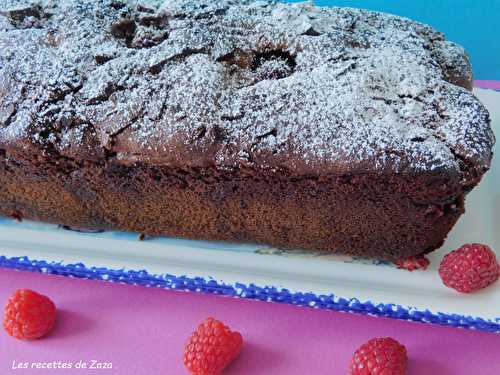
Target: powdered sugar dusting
238, 83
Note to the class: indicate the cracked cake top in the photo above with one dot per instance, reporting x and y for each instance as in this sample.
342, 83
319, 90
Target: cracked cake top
236, 84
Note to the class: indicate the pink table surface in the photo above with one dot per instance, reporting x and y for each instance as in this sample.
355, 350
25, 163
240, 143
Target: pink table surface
142, 331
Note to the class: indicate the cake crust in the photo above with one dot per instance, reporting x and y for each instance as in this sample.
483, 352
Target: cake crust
320, 128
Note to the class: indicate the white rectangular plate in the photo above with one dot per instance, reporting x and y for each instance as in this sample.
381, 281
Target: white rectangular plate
260, 272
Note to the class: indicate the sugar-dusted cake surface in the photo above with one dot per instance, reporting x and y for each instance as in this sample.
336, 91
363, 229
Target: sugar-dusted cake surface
298, 126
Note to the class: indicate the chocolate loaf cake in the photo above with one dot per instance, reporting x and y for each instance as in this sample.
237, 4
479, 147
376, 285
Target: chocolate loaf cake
331, 129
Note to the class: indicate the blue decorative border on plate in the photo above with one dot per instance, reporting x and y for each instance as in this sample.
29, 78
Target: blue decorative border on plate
251, 291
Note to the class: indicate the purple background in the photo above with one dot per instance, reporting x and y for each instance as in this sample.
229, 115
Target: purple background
143, 330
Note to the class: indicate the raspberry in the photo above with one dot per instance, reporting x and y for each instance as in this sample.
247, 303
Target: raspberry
469, 268
413, 263
379, 356
211, 348
29, 315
